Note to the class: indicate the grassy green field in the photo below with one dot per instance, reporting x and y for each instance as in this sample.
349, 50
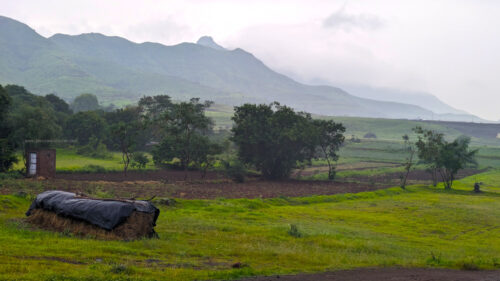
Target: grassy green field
201, 239
67, 160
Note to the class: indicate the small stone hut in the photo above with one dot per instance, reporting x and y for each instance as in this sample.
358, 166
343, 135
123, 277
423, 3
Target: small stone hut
41, 163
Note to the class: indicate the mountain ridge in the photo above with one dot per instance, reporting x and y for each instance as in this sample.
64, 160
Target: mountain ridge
117, 69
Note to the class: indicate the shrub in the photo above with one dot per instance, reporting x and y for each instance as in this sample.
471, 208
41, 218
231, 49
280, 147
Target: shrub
94, 149
370, 136
469, 265
11, 175
235, 171
139, 160
91, 168
120, 269
294, 231
354, 139
434, 259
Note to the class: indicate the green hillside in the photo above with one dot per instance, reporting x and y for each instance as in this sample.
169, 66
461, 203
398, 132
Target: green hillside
116, 69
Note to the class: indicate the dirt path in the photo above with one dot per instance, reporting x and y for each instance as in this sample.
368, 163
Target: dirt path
389, 274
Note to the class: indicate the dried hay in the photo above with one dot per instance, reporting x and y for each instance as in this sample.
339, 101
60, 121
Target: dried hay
138, 225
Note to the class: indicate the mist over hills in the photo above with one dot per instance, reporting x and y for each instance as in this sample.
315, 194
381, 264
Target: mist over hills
118, 70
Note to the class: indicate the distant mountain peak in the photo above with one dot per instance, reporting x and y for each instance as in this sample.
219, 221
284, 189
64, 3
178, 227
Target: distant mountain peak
208, 41
16, 28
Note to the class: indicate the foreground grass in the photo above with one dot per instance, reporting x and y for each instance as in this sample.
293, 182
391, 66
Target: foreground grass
201, 239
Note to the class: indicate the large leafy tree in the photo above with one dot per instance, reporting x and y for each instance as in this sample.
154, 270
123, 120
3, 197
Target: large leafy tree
152, 110
58, 104
184, 129
60, 107
154, 107
34, 123
32, 117
273, 138
454, 156
82, 126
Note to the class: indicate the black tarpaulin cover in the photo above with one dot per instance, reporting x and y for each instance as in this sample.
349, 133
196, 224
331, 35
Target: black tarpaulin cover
106, 214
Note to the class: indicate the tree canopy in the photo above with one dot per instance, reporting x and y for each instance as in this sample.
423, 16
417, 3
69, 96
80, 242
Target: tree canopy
274, 137
85, 102
443, 157
185, 129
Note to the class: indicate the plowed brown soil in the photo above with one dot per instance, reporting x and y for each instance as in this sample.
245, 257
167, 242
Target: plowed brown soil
165, 183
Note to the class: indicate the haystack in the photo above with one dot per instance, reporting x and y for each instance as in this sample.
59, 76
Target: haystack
100, 218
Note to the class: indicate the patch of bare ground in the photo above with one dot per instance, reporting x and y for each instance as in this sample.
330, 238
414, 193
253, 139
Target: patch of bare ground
165, 183
389, 274
357, 166
200, 189
155, 175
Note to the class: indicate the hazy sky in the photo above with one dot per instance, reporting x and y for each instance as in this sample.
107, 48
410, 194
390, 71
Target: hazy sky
448, 48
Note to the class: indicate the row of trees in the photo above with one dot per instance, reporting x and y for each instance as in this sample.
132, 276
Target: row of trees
274, 139
174, 130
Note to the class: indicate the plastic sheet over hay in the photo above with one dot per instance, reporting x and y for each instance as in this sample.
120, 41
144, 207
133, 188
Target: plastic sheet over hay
100, 218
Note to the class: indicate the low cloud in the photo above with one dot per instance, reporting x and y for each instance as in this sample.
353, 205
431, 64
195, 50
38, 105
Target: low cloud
341, 19
166, 31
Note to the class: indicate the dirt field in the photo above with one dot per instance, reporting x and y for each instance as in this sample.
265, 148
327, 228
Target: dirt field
157, 175
209, 189
171, 184
390, 274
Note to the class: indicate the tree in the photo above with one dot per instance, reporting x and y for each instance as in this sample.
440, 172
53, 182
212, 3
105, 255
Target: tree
445, 158
454, 156
184, 129
428, 145
60, 107
152, 110
124, 128
58, 104
329, 138
139, 160
408, 147
7, 155
84, 125
205, 155
272, 137
29, 117
85, 102
34, 124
